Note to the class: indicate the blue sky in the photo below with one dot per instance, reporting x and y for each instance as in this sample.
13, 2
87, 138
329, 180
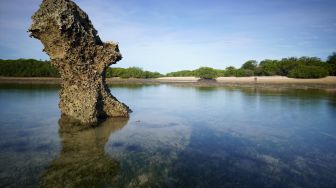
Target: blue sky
173, 35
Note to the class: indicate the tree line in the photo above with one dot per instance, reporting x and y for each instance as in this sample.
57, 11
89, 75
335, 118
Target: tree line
38, 68
27, 68
131, 72
303, 67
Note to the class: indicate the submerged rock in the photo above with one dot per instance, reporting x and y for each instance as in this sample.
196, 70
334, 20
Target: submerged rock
81, 58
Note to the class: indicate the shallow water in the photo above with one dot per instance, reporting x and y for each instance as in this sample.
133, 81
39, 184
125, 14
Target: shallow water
176, 137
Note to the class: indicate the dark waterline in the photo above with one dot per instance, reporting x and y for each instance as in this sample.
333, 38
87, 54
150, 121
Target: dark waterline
176, 137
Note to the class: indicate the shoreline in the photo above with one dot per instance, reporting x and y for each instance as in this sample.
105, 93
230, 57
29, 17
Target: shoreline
261, 81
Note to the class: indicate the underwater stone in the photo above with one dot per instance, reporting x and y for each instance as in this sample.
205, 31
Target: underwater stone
81, 58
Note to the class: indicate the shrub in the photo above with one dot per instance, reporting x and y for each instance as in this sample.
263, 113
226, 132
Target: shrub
331, 61
220, 73
251, 65
132, 72
114, 72
181, 73
244, 72
268, 67
308, 72
27, 68
206, 73
230, 71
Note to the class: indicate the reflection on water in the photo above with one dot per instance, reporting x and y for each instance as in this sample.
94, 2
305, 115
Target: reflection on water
82, 161
147, 149
177, 136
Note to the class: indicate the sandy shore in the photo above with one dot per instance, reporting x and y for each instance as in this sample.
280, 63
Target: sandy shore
263, 81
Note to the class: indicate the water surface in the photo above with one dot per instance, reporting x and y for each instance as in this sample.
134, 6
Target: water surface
176, 137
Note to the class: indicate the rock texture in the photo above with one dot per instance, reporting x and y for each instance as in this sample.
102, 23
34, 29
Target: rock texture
76, 50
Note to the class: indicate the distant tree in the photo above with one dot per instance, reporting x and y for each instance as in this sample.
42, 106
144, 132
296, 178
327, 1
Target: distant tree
181, 73
268, 67
251, 65
114, 72
310, 61
306, 71
132, 72
27, 68
230, 71
220, 73
286, 65
148, 74
244, 72
206, 73
332, 58
289, 66
303, 67
331, 61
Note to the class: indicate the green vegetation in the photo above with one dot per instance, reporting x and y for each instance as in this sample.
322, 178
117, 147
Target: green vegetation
27, 68
268, 67
36, 68
308, 72
206, 73
132, 72
250, 65
304, 67
181, 73
331, 61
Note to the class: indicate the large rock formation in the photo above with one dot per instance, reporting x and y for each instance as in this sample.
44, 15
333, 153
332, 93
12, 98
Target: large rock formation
76, 50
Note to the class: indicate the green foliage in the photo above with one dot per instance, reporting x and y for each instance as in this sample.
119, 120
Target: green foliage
331, 61
230, 71
27, 68
210, 73
35, 68
132, 72
220, 73
308, 71
286, 65
206, 73
182, 73
268, 68
251, 65
114, 72
304, 67
244, 72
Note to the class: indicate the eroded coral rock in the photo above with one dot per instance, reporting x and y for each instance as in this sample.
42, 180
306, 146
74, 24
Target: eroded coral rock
76, 50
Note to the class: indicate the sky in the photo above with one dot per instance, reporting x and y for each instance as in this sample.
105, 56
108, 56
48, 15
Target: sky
165, 36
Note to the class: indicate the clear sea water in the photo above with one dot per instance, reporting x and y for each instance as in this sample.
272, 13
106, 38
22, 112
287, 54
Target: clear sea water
177, 136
